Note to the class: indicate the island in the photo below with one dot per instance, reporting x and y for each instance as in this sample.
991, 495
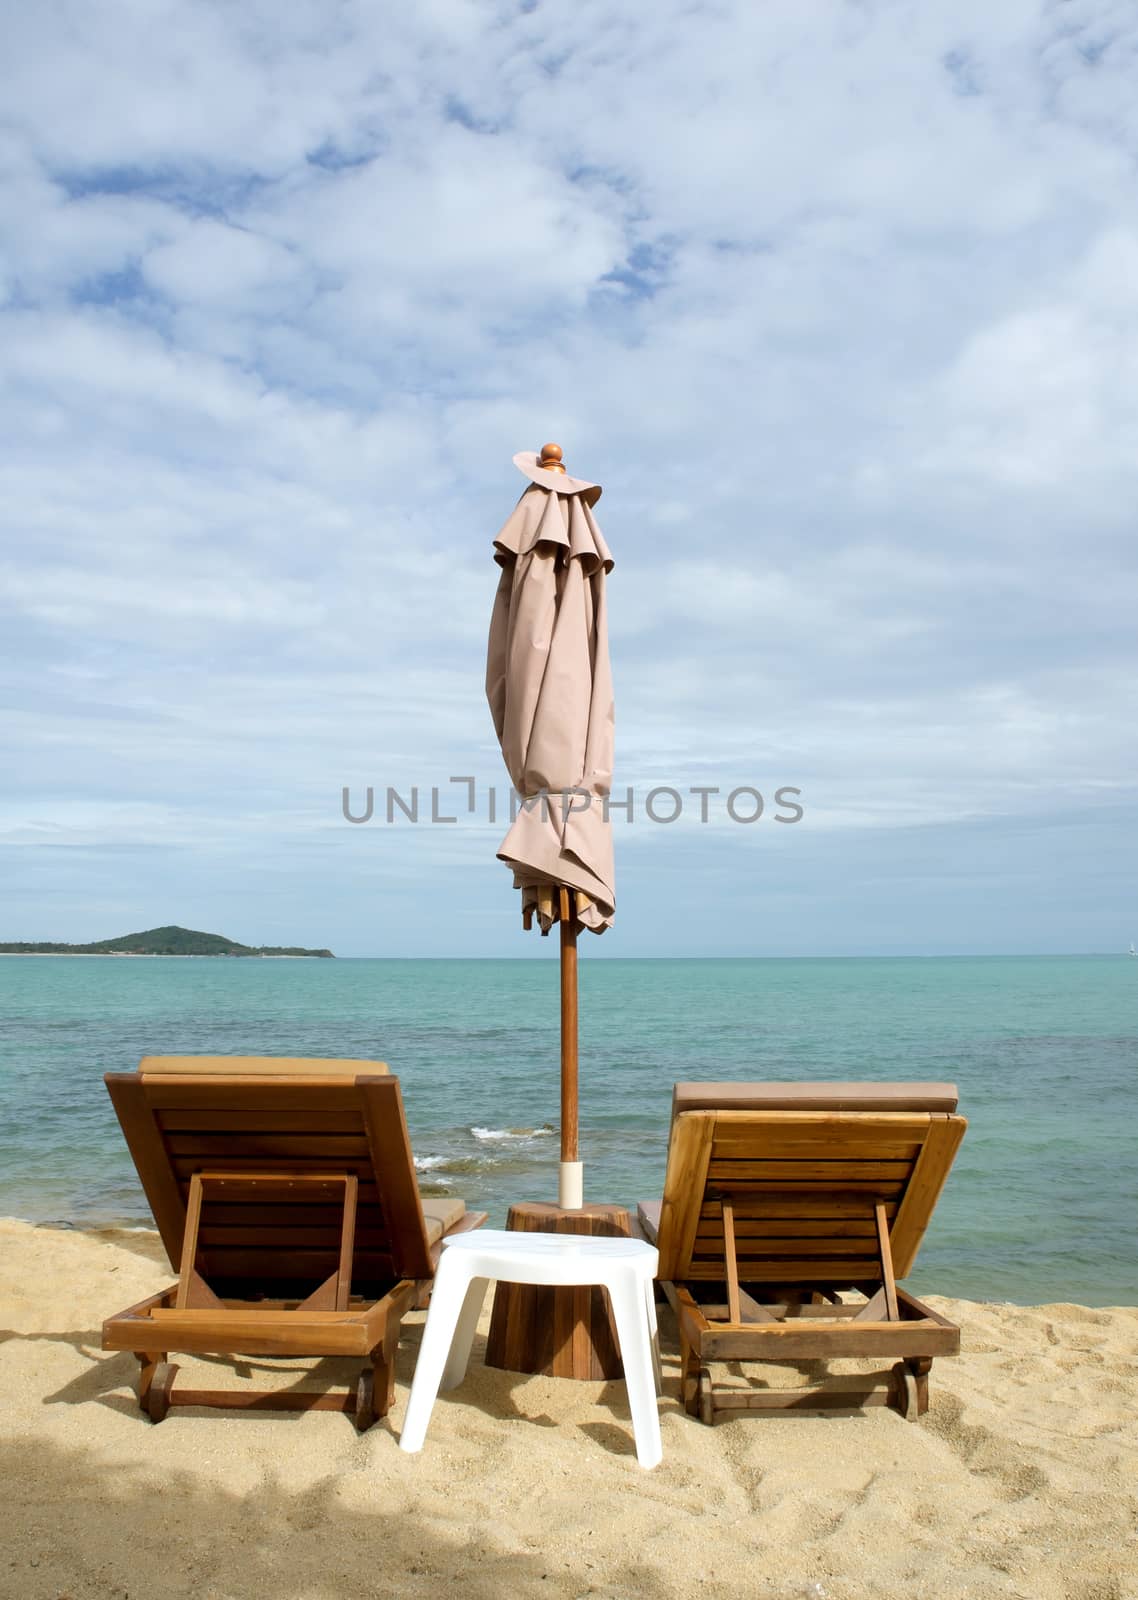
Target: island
170, 941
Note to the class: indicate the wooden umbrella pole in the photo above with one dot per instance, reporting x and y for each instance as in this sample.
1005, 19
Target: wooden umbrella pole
570, 1186
570, 1196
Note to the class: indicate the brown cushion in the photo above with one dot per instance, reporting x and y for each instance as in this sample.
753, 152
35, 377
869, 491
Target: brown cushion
819, 1096
441, 1211
259, 1067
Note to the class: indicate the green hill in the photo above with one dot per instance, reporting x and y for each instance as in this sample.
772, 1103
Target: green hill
170, 941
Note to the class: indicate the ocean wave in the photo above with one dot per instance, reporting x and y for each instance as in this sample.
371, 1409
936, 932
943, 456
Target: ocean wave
501, 1135
464, 1165
438, 1173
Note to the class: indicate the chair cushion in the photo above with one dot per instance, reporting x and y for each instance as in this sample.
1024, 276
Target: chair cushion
820, 1096
259, 1067
441, 1211
648, 1218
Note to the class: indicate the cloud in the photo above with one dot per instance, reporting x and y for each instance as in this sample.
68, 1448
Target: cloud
837, 302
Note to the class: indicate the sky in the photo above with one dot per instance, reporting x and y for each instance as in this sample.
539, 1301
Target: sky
839, 303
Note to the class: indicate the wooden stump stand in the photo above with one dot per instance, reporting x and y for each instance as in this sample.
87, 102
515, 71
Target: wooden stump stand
561, 1333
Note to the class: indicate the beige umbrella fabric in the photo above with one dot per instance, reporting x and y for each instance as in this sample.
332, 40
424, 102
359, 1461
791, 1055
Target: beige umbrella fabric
549, 684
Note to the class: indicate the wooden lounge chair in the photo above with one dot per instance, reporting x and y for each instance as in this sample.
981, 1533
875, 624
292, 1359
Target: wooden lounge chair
778, 1197
285, 1194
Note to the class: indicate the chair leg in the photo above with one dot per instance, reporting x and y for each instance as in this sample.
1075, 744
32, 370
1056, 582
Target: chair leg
447, 1302
690, 1361
364, 1414
159, 1394
464, 1330
628, 1303
383, 1369
148, 1362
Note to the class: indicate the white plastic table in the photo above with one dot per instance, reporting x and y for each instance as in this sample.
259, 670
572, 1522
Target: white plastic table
471, 1261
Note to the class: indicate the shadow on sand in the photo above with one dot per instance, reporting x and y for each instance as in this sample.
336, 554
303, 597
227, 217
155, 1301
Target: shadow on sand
76, 1529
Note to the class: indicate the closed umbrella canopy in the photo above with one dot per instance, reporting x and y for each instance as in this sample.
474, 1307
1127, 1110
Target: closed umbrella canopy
549, 684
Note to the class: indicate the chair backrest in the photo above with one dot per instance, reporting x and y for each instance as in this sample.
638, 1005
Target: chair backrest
803, 1166
276, 1118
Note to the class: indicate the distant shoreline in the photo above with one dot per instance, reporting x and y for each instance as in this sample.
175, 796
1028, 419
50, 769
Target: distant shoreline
170, 940
143, 955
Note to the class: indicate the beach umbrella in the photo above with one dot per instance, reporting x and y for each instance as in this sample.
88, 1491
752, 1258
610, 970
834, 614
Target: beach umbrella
549, 684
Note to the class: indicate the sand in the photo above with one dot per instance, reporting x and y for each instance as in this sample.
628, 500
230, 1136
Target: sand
1022, 1480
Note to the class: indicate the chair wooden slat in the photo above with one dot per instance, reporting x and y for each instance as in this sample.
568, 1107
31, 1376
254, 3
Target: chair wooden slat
688, 1156
923, 1192
838, 1271
839, 1170
394, 1169
811, 1188
788, 1228
166, 1094
324, 1148
164, 1195
735, 1145
214, 1120
751, 1249
185, 1166
806, 1206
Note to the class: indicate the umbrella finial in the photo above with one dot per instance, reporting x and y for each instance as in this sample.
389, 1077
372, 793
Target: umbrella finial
550, 458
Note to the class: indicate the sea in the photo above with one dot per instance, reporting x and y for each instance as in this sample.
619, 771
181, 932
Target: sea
1041, 1205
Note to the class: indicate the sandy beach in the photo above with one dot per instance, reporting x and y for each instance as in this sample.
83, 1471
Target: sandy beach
1022, 1480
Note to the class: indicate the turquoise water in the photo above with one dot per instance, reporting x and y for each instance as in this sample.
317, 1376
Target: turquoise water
1042, 1203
